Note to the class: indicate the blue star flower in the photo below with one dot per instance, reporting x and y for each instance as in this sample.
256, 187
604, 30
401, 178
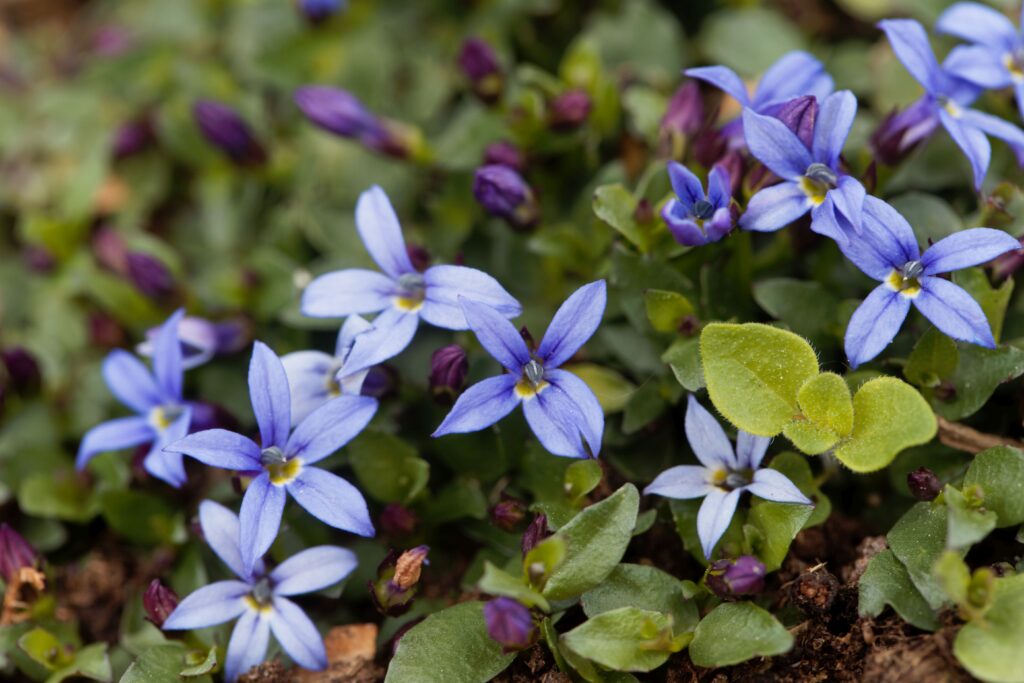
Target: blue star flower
947, 98
283, 462
259, 599
693, 217
722, 476
162, 416
559, 406
887, 251
401, 294
811, 176
996, 57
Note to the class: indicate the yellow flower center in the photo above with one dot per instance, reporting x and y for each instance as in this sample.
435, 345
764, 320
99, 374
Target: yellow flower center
905, 280
282, 473
163, 417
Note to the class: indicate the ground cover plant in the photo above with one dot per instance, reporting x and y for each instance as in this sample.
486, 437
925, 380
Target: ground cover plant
520, 341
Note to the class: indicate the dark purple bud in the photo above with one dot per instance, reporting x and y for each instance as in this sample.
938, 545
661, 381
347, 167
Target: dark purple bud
110, 250
508, 514
38, 259
709, 147
733, 163
510, 623
149, 275
381, 381
479, 63
15, 553
448, 367
569, 110
105, 332
398, 577
504, 153
799, 115
212, 416
1009, 263
504, 193
319, 11
901, 131
535, 533
730, 578
685, 113
22, 369
397, 521
644, 212
225, 129
337, 111
923, 484
133, 137
159, 601
419, 256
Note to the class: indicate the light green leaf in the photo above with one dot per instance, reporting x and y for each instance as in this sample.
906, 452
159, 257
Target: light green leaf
954, 576
57, 495
581, 478
683, 356
776, 525
643, 587
999, 472
993, 300
666, 310
917, 540
615, 205
450, 646
611, 388
825, 400
748, 40
734, 632
798, 470
498, 582
44, 648
966, 523
754, 373
993, 648
160, 663
934, 358
889, 415
624, 639
978, 373
806, 307
887, 582
809, 437
595, 541
387, 467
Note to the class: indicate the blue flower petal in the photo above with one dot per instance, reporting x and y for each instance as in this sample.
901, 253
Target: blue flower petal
685, 184
979, 65
391, 333
714, 517
312, 569
825, 221
208, 606
724, 79
330, 427
260, 518
557, 422
794, 74
910, 43
381, 232
481, 405
874, 324
775, 145
750, 449
775, 207
270, 396
353, 326
497, 335
719, 186
574, 323
447, 284
775, 486
684, 230
994, 126
248, 645
848, 199
167, 357
587, 403
972, 142
297, 635
977, 23
833, 126
220, 448
168, 466
223, 533
966, 248
113, 435
308, 375
707, 438
954, 312
346, 292
332, 500
130, 381
682, 482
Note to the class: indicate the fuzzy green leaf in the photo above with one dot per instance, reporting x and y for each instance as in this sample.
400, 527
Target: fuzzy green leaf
887, 582
993, 648
999, 472
734, 632
624, 639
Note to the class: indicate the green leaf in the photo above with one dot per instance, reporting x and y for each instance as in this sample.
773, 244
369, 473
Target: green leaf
806, 307
748, 40
44, 648
387, 467
595, 541
966, 523
993, 300
581, 478
777, 524
798, 470
645, 405
615, 205
917, 540
954, 576
91, 662
624, 639
683, 356
735, 632
934, 358
754, 373
611, 388
809, 437
450, 646
498, 582
666, 310
887, 582
542, 560
993, 648
58, 495
643, 587
889, 415
160, 663
142, 518
999, 472
825, 400
977, 375
931, 216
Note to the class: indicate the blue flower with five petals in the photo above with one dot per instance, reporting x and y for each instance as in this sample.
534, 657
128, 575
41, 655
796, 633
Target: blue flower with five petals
560, 408
693, 217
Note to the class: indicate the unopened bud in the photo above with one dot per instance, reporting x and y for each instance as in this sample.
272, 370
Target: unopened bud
397, 578
799, 115
479, 63
448, 368
923, 484
510, 624
508, 514
22, 369
319, 11
535, 533
225, 129
149, 275
159, 601
731, 578
396, 520
15, 553
569, 110
502, 192
504, 153
133, 137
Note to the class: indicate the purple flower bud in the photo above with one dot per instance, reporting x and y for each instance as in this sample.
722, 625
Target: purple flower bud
799, 115
133, 137
480, 64
319, 11
709, 146
38, 259
419, 256
901, 131
337, 111
104, 331
535, 533
923, 484
149, 275
397, 580
212, 416
15, 553
159, 601
381, 381
510, 623
1009, 263
110, 250
504, 193
504, 153
508, 514
730, 578
733, 163
22, 369
224, 128
397, 521
569, 110
685, 113
448, 367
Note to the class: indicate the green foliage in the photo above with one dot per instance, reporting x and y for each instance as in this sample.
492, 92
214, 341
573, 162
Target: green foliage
917, 540
626, 639
735, 632
667, 310
387, 467
646, 588
993, 648
998, 472
886, 581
